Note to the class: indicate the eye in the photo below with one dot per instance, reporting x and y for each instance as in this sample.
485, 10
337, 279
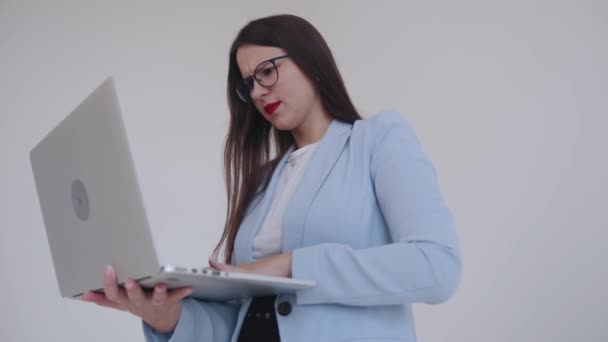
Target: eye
266, 71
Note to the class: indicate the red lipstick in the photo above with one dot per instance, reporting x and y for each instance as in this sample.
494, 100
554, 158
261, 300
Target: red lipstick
271, 107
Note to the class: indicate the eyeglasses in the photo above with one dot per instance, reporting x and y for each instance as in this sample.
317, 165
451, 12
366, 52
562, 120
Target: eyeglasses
266, 74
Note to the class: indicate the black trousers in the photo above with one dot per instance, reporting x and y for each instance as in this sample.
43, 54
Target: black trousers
260, 324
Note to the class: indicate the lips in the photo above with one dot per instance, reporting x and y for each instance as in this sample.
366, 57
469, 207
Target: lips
271, 107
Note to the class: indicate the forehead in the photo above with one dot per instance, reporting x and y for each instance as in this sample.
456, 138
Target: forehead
250, 56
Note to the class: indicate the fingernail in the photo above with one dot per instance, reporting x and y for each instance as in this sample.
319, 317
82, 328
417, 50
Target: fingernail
109, 270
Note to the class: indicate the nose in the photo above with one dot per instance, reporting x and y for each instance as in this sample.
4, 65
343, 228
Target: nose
258, 91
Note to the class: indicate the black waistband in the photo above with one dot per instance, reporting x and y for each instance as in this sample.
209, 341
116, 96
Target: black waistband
260, 322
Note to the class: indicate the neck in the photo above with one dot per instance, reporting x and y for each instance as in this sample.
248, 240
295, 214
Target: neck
312, 129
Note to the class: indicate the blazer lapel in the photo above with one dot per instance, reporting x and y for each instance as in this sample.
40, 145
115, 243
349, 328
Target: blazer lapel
317, 170
252, 222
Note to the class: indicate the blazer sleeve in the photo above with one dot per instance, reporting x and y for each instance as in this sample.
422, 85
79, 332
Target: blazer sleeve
199, 321
421, 264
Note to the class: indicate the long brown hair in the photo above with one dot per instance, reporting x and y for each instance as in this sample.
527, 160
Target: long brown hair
247, 154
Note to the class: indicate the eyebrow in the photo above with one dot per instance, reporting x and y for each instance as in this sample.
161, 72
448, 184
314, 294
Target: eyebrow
278, 58
254, 69
250, 76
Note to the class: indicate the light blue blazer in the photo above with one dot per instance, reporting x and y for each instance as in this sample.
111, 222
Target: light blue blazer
368, 223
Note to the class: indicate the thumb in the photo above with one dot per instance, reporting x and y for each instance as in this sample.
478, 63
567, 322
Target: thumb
179, 294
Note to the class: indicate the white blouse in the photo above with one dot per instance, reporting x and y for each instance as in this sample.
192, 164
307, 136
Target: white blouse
268, 240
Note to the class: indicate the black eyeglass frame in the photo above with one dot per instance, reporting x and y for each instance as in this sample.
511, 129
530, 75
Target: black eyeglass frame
247, 82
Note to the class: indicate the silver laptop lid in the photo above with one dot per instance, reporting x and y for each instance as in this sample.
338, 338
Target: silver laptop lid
90, 199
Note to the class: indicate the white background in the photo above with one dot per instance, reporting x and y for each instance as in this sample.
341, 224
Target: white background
509, 99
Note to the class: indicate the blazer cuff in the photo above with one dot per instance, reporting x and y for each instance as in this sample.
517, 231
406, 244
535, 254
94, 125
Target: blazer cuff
303, 266
183, 330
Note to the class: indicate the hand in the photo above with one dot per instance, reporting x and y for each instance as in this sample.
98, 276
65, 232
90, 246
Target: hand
278, 265
160, 309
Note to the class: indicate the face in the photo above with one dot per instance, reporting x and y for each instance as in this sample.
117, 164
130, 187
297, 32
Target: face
292, 100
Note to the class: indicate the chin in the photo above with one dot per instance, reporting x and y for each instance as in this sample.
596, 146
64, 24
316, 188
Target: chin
281, 124
281, 127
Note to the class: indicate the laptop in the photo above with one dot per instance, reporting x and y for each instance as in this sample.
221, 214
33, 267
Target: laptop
94, 214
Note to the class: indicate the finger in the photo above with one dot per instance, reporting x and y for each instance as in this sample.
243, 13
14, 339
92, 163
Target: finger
179, 294
101, 300
135, 293
225, 267
111, 290
159, 295
215, 264
91, 296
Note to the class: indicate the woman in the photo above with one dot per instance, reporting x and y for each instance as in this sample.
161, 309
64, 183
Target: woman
349, 203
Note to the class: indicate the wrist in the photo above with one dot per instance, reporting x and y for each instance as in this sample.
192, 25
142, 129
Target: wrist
288, 257
168, 321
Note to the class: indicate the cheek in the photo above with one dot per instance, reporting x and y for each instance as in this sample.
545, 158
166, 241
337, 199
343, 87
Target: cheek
297, 92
